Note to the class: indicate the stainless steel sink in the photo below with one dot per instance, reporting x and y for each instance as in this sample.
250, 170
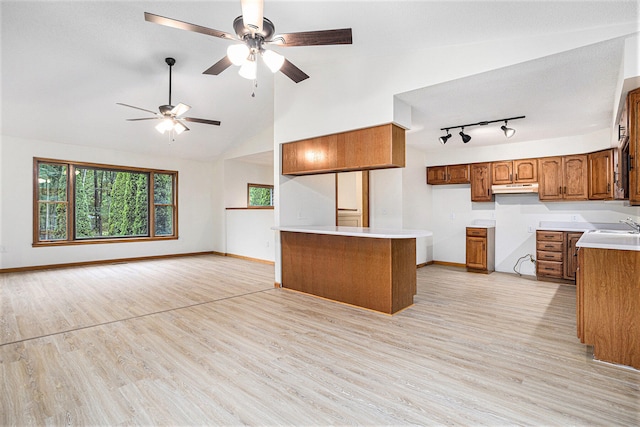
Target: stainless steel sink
613, 231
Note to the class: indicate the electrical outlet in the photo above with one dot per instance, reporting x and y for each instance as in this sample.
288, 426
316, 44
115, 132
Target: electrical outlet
574, 218
452, 215
530, 229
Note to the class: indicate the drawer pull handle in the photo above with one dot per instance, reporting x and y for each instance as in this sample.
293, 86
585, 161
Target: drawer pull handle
548, 246
548, 269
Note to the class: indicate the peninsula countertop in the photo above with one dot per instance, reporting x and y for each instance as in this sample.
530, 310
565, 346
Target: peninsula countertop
377, 233
610, 239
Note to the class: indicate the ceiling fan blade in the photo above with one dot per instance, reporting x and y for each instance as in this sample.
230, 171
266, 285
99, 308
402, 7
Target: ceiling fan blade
180, 109
293, 72
205, 121
252, 14
313, 38
138, 108
219, 66
145, 118
174, 23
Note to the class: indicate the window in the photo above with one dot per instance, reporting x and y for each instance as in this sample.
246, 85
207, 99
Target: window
260, 196
91, 203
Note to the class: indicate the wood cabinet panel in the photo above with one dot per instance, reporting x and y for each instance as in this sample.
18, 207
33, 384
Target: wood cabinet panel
633, 119
450, 174
549, 256
550, 183
608, 304
378, 147
525, 170
480, 249
575, 175
571, 256
378, 274
601, 175
502, 172
550, 269
563, 178
481, 182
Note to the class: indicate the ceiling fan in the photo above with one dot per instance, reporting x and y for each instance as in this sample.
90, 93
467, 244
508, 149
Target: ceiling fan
169, 115
256, 31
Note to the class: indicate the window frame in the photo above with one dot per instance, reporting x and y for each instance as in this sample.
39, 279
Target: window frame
249, 205
71, 202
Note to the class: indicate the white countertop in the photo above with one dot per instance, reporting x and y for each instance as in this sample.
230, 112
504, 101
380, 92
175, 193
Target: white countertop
379, 233
482, 223
618, 241
581, 226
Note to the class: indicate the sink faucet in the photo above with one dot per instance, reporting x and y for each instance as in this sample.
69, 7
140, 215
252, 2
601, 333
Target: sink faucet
631, 223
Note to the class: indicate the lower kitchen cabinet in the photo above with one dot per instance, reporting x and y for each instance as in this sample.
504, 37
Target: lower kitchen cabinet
556, 255
480, 249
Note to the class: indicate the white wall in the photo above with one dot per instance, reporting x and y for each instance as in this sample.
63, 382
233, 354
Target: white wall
249, 233
237, 175
195, 196
416, 203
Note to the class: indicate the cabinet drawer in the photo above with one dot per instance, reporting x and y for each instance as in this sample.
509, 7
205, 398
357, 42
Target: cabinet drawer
549, 256
552, 236
549, 246
477, 232
550, 268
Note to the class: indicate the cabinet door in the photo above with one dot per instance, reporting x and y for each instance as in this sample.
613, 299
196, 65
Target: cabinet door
550, 185
477, 253
481, 182
525, 170
458, 174
601, 175
575, 177
571, 257
502, 172
436, 175
633, 108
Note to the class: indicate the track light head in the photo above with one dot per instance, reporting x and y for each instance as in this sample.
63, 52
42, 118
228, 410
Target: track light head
445, 138
465, 138
508, 132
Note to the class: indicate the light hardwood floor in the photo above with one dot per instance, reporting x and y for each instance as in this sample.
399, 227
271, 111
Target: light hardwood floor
208, 340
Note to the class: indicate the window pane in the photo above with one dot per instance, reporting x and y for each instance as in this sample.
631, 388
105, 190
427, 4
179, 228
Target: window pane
52, 221
111, 203
260, 196
164, 220
163, 189
52, 182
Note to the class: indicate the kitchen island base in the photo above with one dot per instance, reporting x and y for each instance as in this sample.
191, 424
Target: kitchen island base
374, 273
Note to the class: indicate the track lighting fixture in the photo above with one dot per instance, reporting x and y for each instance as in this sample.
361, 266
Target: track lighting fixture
465, 138
508, 132
443, 139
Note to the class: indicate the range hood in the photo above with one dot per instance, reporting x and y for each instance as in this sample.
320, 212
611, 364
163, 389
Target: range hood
515, 188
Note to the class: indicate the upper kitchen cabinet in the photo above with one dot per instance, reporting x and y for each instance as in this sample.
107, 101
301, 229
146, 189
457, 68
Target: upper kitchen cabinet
633, 117
481, 182
601, 175
377, 147
450, 174
514, 171
563, 178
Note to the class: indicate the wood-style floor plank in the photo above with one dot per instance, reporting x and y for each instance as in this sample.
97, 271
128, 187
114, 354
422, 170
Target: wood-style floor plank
209, 340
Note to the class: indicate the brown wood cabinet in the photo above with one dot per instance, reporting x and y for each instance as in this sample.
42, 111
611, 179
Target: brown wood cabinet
563, 178
556, 255
608, 304
480, 249
601, 175
450, 174
633, 119
481, 182
514, 171
378, 147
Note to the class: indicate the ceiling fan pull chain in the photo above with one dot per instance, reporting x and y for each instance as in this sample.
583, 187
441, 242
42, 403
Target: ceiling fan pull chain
255, 85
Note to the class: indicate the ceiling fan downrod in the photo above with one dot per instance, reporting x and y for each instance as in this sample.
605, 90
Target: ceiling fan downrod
170, 62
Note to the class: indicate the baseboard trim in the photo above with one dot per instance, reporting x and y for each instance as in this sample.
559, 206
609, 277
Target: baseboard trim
102, 262
262, 261
450, 264
424, 264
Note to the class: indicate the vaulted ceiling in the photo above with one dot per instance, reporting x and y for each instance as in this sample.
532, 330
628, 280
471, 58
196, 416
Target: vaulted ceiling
65, 65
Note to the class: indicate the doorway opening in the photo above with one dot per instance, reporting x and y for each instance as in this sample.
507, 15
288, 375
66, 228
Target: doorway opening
352, 199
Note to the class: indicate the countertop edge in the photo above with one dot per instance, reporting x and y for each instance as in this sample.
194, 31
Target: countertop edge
375, 233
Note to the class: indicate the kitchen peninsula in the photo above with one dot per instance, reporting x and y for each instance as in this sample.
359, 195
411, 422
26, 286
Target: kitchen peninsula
365, 267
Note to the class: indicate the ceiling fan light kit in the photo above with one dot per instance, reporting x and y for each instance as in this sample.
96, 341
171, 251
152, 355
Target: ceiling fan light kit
169, 115
255, 32
508, 132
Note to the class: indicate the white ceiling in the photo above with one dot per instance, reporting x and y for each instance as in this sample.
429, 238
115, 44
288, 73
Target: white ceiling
66, 64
